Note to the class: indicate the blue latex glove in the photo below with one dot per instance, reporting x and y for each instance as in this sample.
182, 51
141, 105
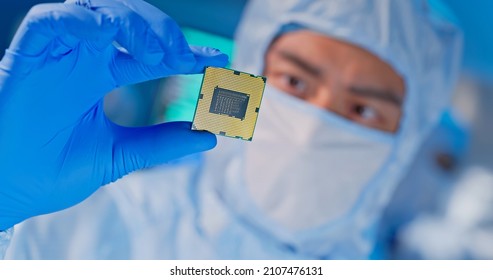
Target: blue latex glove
56, 145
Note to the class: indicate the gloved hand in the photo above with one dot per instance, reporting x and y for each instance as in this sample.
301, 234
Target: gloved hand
56, 145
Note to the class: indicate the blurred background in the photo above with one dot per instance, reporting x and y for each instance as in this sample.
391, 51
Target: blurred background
213, 23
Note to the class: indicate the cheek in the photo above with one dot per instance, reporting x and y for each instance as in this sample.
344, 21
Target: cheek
391, 117
395, 117
269, 62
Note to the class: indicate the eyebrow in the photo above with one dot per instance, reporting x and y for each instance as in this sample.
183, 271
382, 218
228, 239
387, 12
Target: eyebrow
307, 67
384, 95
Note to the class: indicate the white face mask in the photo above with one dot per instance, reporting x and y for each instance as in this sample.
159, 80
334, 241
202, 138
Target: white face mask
305, 166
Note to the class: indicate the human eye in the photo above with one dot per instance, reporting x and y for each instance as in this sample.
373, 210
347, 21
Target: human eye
364, 113
373, 114
293, 85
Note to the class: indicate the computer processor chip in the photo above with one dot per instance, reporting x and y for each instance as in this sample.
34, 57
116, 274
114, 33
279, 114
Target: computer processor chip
229, 103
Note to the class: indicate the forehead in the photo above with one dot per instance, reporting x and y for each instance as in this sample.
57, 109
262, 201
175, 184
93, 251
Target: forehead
313, 41
320, 48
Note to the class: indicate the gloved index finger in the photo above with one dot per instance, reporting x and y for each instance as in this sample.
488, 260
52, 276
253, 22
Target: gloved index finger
46, 22
177, 53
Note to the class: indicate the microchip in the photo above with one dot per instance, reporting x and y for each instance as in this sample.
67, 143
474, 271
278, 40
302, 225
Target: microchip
229, 103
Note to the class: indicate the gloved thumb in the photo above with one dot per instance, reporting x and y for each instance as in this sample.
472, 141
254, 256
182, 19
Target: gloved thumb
142, 147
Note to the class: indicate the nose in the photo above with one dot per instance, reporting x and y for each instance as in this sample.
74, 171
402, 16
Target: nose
328, 98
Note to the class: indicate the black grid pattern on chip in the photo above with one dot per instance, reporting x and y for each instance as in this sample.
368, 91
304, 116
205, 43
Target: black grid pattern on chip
229, 102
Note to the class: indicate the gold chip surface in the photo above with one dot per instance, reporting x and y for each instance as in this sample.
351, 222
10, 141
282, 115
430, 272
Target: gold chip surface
229, 103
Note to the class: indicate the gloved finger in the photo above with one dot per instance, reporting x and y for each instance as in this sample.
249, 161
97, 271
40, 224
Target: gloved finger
206, 56
134, 35
64, 24
129, 71
146, 29
178, 53
143, 147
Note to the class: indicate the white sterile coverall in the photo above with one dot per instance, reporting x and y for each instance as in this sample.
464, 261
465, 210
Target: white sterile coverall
242, 200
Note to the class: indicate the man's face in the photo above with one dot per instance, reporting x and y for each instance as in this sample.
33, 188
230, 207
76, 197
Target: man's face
338, 77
